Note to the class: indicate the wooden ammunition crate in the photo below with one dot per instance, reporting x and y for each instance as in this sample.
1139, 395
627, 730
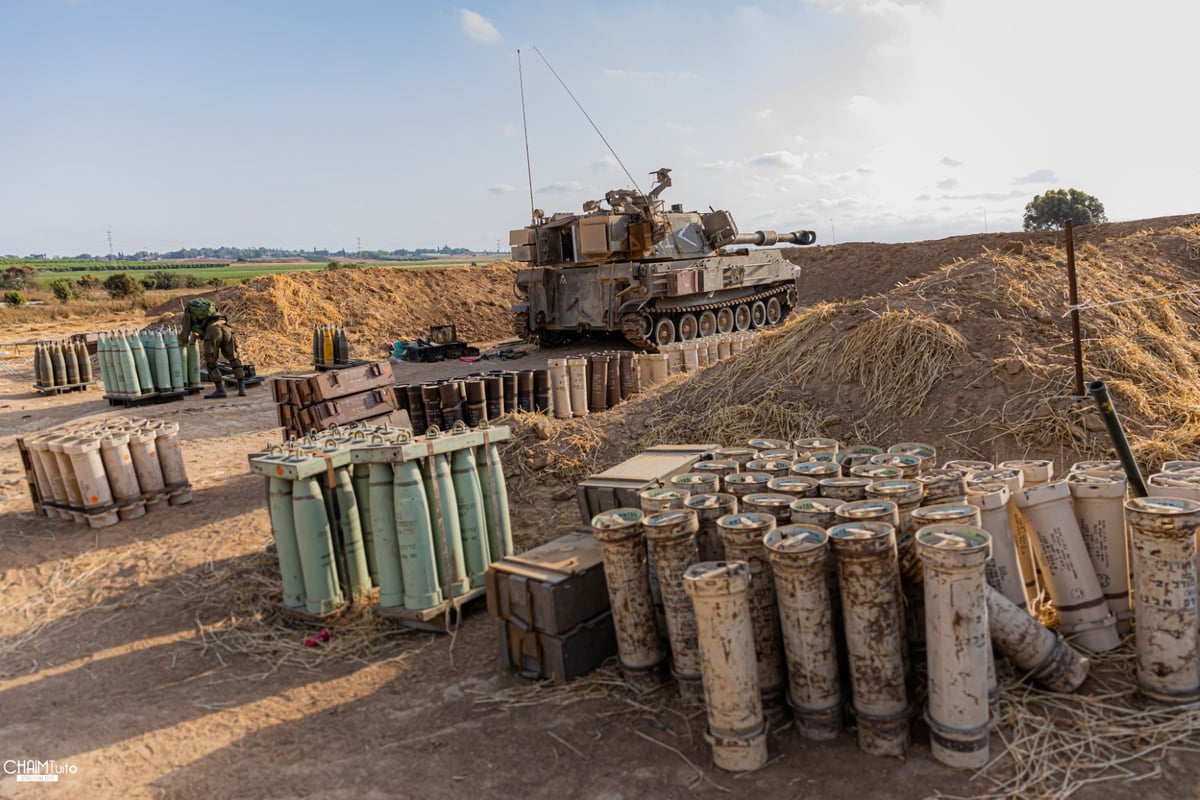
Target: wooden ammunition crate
618, 487
313, 401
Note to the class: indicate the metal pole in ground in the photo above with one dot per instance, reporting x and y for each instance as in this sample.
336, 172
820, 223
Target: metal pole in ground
1073, 291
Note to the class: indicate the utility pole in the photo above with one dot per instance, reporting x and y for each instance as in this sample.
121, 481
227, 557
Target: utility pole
832, 232
111, 258
359, 240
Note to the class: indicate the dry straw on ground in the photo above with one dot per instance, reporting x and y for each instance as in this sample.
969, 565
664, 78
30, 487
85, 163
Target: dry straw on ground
1053, 745
244, 594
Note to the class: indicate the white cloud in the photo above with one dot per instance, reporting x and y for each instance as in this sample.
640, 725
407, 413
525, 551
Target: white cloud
561, 187
649, 77
779, 159
477, 27
604, 164
765, 115
950, 162
947, 184
863, 105
1037, 176
502, 188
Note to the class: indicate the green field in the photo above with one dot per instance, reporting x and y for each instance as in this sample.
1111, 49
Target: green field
231, 273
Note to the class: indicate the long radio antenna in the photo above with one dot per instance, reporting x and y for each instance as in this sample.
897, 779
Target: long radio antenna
525, 125
589, 119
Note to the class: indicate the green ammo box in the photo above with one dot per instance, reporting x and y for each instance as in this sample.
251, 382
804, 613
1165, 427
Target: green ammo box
618, 486
552, 609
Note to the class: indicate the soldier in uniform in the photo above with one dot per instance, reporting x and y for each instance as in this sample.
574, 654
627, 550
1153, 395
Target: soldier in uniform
213, 329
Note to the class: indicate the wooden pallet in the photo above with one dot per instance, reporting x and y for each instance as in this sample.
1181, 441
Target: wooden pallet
70, 387
146, 399
300, 615
442, 618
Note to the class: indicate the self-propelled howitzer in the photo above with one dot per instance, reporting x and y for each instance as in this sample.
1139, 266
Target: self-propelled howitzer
658, 276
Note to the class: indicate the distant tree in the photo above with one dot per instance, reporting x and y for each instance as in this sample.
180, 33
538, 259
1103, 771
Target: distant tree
66, 289
17, 277
165, 279
120, 285
1056, 206
88, 281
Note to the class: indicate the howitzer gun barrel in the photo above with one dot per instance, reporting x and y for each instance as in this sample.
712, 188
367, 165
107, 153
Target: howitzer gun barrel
771, 237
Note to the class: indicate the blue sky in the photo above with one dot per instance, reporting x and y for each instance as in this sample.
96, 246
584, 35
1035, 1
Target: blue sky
304, 124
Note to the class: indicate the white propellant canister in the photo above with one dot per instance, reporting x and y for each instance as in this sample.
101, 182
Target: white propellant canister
799, 556
869, 580
1099, 503
737, 730
1071, 580
1004, 567
623, 549
1033, 648
1162, 533
742, 535
671, 536
956, 639
578, 378
560, 387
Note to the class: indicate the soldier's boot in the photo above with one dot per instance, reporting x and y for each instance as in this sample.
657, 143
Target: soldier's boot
219, 394
241, 388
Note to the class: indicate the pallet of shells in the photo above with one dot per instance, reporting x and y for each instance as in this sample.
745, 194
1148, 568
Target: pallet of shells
147, 366
807, 578
596, 382
62, 366
478, 399
100, 473
373, 509
313, 401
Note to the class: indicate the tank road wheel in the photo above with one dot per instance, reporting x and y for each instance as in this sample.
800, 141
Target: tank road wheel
741, 317
647, 323
774, 311
725, 320
664, 331
758, 314
551, 338
708, 323
688, 327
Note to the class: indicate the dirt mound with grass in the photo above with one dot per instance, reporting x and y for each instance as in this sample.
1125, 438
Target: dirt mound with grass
274, 315
973, 356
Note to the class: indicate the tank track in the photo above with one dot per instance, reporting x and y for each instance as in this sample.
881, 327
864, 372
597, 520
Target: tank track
631, 324
521, 326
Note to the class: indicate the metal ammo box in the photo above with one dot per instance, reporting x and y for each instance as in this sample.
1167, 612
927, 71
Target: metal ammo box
552, 609
618, 487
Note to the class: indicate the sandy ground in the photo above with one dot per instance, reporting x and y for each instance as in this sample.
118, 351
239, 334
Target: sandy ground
114, 661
